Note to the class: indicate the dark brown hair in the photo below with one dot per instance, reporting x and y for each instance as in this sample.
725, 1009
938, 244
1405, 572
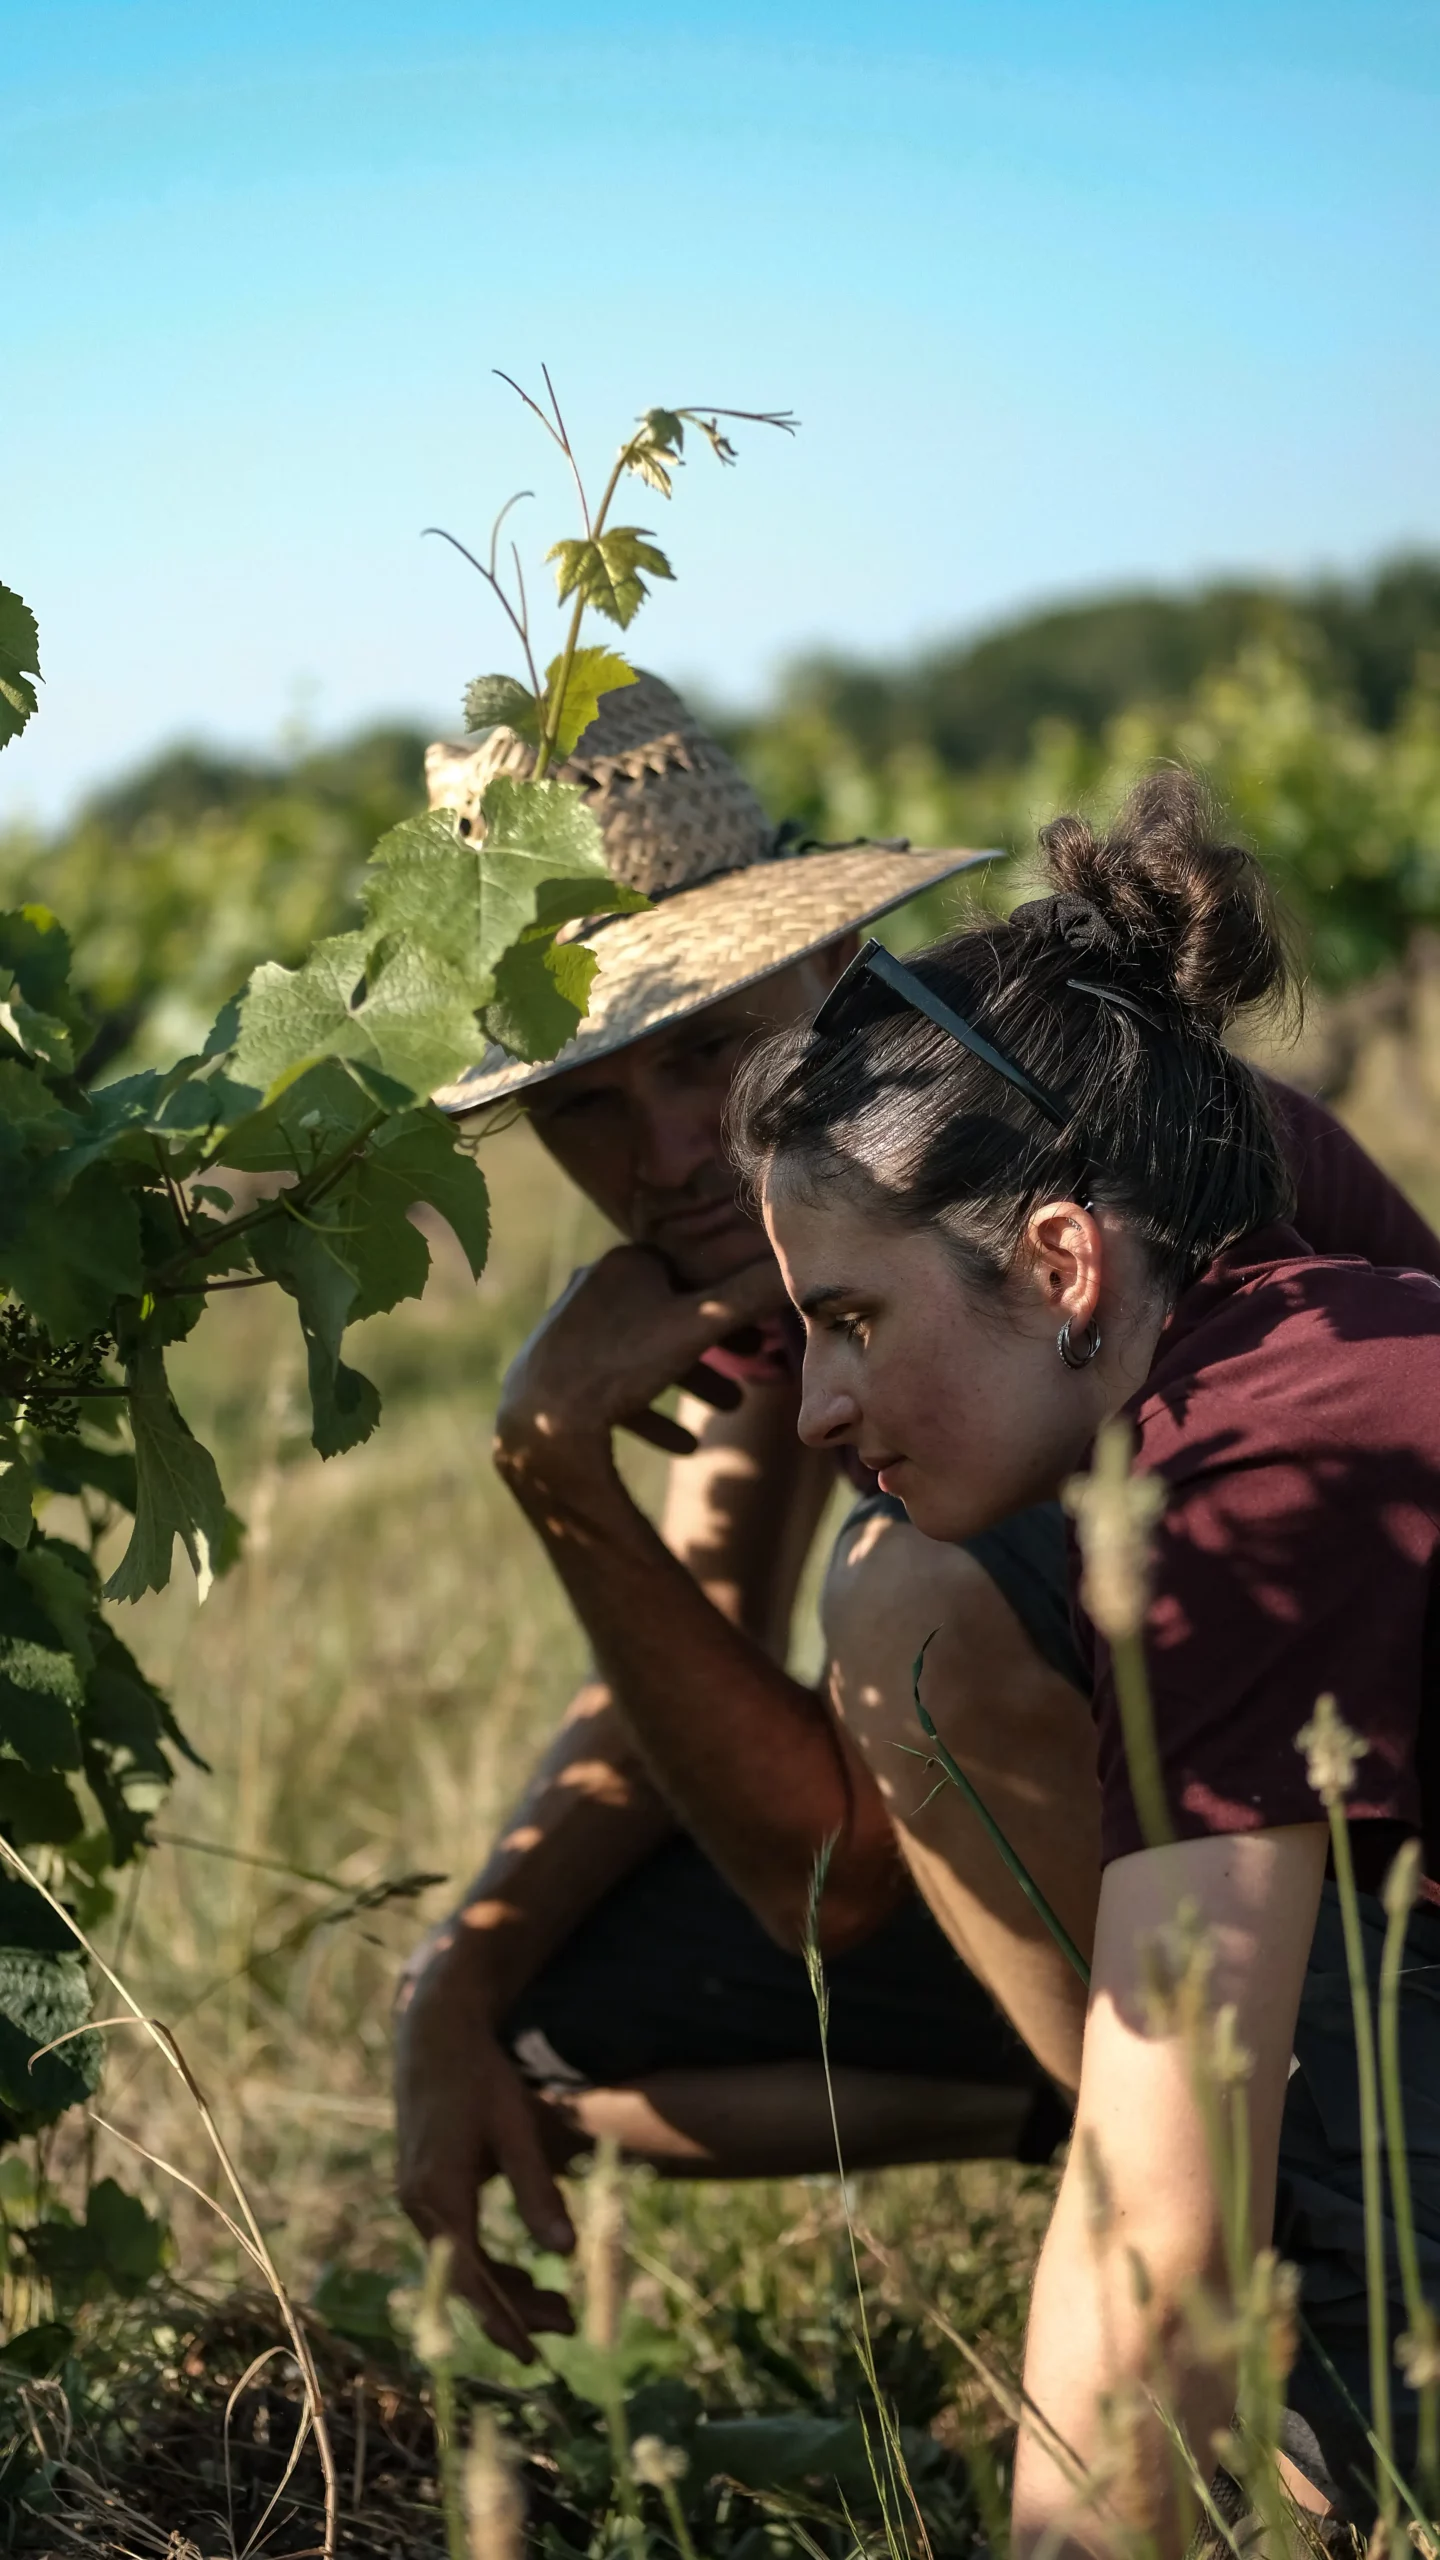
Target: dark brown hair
1114, 994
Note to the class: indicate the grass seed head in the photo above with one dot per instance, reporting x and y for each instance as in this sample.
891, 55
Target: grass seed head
494, 2507
656, 2464
1115, 1514
1332, 1752
604, 2248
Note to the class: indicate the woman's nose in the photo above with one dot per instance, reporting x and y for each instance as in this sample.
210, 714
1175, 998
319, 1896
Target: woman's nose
829, 1413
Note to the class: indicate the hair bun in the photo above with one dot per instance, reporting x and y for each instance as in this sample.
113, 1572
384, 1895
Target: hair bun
1191, 918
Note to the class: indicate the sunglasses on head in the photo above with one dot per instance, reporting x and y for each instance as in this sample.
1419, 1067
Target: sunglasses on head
865, 993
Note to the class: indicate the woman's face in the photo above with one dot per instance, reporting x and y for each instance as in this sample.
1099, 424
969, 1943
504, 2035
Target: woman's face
959, 1401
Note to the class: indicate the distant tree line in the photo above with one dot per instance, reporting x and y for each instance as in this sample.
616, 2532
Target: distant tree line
1315, 710
980, 704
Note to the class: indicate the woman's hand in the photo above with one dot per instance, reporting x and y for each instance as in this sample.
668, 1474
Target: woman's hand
1139, 2188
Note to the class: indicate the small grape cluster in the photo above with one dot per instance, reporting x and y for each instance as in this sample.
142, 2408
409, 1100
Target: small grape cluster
53, 1376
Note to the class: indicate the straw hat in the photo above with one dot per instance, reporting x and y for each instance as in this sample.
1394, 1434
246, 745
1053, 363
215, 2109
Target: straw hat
735, 898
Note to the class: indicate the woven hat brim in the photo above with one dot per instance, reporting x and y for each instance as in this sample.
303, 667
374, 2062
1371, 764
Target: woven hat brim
712, 941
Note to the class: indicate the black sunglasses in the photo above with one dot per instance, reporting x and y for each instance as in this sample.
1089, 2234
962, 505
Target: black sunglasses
855, 1000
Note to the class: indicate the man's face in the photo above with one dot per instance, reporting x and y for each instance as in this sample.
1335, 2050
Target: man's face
642, 1132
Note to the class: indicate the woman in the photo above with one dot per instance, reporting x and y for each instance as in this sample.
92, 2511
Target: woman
1017, 1190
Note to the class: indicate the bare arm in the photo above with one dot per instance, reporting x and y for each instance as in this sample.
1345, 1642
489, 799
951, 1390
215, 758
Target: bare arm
750, 1760
1140, 2183
739, 1518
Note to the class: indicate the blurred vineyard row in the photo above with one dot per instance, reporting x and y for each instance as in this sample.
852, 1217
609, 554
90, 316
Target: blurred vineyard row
1316, 711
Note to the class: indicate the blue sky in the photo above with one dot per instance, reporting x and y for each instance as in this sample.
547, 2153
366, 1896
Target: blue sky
1064, 294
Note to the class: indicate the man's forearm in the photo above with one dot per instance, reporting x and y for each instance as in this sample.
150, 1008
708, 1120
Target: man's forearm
747, 1758
588, 1816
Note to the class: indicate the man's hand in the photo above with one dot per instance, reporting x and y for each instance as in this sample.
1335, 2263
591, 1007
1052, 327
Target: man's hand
463, 2116
616, 1338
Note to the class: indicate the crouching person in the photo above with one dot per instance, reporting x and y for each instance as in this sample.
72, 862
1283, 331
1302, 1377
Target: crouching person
1020, 1188
627, 1961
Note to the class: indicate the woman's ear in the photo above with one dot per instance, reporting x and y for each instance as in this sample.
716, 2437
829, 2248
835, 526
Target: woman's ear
1066, 1260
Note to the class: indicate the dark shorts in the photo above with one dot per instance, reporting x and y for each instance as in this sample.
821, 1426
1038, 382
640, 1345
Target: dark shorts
672, 1971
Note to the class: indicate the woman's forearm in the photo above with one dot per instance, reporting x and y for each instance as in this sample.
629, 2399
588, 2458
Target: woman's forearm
1105, 2345
1147, 2198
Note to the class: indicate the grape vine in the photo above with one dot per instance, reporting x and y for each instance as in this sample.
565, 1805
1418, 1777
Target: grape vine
289, 1151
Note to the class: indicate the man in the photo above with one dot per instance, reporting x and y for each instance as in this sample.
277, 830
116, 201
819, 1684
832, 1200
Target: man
604, 1973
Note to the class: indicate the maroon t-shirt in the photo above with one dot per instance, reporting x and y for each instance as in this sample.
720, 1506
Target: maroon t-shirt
1292, 1413
1344, 1203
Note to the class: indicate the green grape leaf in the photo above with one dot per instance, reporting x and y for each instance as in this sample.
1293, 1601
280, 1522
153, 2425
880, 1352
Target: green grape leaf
420, 1156
118, 2248
346, 1407
17, 1489
412, 1020
70, 1251
26, 1920
499, 702
322, 1111
40, 1698
36, 1807
41, 1997
291, 1017
124, 1713
388, 1255
310, 1258
593, 672
19, 661
417, 1028
177, 1488
64, 1464
415, 1160
31, 1116
542, 988
656, 450
42, 1036
36, 946
604, 569
541, 860
62, 1580
125, 1726
355, 2302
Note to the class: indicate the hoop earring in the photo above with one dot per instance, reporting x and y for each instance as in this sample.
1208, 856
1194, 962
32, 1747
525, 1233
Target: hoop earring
1064, 1344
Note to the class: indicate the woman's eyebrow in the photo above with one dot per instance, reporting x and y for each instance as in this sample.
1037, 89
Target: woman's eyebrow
825, 1296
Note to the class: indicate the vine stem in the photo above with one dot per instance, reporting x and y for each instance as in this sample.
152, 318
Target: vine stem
556, 702
310, 1187
256, 2242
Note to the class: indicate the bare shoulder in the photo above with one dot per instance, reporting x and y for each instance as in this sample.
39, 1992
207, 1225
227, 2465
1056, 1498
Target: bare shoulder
882, 1569
889, 1590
